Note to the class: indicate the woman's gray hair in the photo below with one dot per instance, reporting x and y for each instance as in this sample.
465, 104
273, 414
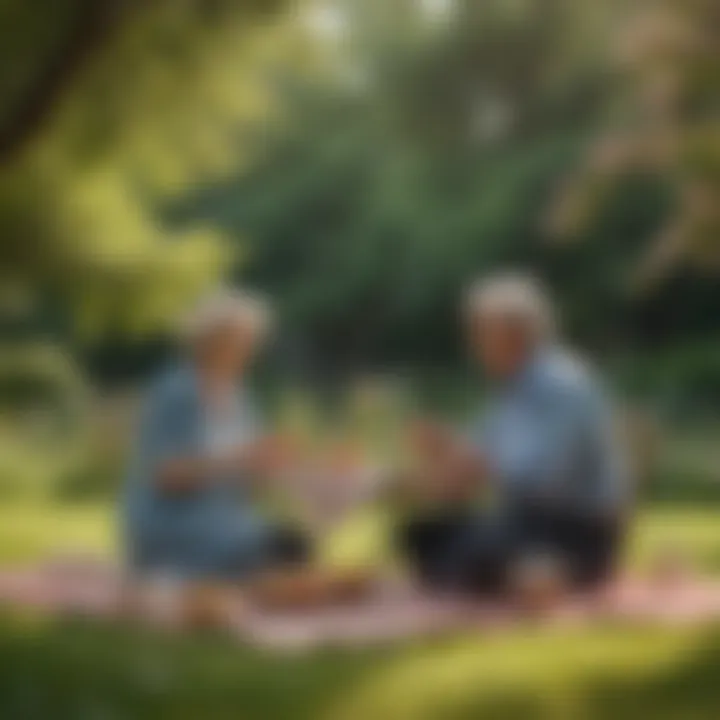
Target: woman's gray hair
517, 297
230, 310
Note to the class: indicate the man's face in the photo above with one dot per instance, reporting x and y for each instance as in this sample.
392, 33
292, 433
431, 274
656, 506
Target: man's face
227, 352
499, 344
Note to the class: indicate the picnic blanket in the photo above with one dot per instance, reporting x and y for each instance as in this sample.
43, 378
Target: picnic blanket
390, 614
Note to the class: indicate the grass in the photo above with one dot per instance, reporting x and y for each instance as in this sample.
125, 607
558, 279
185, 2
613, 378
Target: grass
31, 530
86, 670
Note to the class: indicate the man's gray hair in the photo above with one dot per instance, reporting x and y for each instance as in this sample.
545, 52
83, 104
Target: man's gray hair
227, 309
515, 296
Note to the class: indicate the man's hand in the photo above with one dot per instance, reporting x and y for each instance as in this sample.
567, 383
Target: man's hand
431, 442
465, 474
451, 470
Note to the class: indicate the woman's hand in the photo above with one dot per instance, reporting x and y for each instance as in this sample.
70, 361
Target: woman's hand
179, 476
268, 456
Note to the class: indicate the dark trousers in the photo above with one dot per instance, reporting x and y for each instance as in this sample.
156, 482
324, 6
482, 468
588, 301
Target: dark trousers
588, 544
472, 552
289, 547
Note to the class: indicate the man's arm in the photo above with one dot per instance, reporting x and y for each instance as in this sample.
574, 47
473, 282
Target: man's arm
451, 467
537, 448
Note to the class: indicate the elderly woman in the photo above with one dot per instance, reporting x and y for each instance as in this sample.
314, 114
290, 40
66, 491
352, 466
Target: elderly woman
189, 509
543, 453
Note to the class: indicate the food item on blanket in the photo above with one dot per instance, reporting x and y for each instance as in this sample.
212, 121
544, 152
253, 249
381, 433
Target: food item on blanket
352, 585
306, 589
208, 605
289, 590
537, 583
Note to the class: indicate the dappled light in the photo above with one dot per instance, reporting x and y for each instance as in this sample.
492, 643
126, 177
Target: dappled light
359, 359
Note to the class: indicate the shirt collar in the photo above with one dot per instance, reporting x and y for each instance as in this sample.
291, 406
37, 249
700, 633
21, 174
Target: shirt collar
530, 369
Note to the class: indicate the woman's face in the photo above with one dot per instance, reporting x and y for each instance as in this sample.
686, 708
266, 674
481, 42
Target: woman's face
226, 352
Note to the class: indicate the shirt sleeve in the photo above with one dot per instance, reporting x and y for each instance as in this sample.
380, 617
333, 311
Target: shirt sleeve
253, 418
532, 444
167, 430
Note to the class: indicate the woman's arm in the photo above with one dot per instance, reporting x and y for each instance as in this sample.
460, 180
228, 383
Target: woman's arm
170, 440
176, 456
184, 472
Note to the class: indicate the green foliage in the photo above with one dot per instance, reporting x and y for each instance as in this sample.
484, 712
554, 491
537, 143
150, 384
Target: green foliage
369, 210
107, 106
43, 404
663, 119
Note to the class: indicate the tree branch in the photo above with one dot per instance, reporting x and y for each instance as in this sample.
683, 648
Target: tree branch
96, 22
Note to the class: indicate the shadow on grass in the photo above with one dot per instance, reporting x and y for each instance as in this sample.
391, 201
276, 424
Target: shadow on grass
82, 670
690, 690
612, 674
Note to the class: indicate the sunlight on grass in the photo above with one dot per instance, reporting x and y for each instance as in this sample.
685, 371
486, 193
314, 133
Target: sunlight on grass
361, 541
29, 531
530, 672
693, 532
544, 671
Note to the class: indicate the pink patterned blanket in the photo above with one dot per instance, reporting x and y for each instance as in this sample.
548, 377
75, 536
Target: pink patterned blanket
390, 615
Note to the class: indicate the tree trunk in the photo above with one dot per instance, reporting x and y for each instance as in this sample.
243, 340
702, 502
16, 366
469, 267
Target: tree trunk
96, 22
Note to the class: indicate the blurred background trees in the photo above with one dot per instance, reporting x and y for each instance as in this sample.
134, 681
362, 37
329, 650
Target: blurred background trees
428, 154
662, 119
104, 106
361, 161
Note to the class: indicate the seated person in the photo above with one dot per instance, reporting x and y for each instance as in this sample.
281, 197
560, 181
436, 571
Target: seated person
544, 453
189, 508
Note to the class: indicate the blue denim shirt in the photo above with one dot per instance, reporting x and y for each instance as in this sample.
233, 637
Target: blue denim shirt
213, 529
549, 436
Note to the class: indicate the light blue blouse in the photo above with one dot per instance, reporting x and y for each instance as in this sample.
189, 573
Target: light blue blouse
212, 530
549, 435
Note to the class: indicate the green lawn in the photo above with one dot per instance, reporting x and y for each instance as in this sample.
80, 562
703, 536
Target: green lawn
83, 670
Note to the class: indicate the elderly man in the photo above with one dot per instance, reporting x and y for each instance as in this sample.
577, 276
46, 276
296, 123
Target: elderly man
544, 452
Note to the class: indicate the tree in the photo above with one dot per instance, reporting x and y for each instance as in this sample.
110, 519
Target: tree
425, 158
105, 106
664, 122
108, 104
